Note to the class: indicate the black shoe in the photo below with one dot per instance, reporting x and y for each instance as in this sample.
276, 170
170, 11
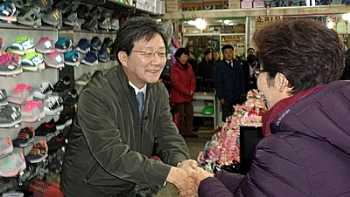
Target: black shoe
55, 143
71, 98
62, 84
64, 120
46, 128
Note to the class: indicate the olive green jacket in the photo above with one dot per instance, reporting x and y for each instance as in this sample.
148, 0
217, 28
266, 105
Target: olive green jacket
109, 148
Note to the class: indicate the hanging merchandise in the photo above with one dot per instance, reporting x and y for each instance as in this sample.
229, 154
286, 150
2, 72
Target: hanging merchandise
224, 148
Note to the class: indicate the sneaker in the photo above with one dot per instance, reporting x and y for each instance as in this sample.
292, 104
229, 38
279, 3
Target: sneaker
43, 90
63, 121
33, 61
42, 4
105, 21
33, 111
53, 105
71, 98
107, 43
63, 44
10, 64
84, 79
22, 92
53, 18
38, 153
22, 45
71, 19
12, 164
46, 128
54, 60
45, 45
115, 21
71, 58
83, 11
62, 84
95, 43
10, 116
29, 16
7, 184
83, 45
103, 55
19, 3
6, 146
3, 97
90, 59
56, 142
8, 11
90, 23
25, 136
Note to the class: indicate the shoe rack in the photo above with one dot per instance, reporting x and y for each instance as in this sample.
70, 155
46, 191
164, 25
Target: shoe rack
11, 31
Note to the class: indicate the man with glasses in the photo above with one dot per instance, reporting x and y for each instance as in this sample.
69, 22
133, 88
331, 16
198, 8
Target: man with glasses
124, 118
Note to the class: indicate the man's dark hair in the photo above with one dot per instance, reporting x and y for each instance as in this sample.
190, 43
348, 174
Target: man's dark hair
251, 59
135, 29
250, 49
206, 52
227, 46
181, 51
305, 51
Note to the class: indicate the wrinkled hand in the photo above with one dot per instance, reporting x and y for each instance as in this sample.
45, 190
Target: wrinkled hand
188, 163
176, 176
191, 185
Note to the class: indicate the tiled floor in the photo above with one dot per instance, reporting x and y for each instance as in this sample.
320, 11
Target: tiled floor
195, 145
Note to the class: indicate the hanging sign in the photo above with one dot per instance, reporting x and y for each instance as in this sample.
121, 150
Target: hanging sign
262, 20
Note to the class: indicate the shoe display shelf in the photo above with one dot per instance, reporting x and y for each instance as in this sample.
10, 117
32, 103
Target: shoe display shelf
84, 70
9, 33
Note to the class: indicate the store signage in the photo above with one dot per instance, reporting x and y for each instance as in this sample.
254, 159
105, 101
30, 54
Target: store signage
204, 6
267, 19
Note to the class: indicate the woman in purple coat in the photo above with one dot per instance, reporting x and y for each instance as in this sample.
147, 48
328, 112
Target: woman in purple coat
306, 151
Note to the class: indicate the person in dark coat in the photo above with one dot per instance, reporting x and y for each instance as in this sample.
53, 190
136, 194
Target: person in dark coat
306, 151
248, 68
346, 72
229, 81
206, 71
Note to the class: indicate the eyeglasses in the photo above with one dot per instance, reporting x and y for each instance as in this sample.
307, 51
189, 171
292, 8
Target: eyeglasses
258, 72
149, 54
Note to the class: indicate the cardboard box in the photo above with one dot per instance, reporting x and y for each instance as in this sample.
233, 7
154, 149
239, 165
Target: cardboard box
246, 5
172, 8
258, 4
234, 4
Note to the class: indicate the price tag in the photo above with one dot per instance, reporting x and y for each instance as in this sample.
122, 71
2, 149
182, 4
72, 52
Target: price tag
58, 59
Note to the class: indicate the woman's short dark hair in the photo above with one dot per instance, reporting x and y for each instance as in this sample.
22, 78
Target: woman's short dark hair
305, 51
181, 51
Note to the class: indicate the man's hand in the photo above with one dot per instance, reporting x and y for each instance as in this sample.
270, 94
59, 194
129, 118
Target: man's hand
191, 185
176, 175
188, 163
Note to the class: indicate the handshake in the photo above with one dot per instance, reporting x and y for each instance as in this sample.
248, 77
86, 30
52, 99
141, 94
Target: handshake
187, 177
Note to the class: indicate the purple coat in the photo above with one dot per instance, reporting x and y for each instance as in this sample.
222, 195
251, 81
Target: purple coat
308, 153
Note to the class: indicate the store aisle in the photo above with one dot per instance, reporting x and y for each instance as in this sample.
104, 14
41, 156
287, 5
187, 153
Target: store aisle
195, 145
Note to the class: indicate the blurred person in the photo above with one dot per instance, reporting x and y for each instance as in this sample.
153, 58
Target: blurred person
183, 86
115, 134
248, 68
206, 71
229, 82
306, 151
194, 63
346, 72
250, 51
216, 57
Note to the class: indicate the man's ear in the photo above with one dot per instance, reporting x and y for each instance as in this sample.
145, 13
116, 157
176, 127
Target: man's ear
122, 56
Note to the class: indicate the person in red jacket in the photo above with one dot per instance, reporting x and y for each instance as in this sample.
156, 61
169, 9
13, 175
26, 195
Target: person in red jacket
183, 86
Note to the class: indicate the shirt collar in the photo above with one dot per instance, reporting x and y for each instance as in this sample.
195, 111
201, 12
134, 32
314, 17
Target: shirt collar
138, 90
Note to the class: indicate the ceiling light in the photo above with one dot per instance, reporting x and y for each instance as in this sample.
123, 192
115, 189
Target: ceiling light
200, 23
